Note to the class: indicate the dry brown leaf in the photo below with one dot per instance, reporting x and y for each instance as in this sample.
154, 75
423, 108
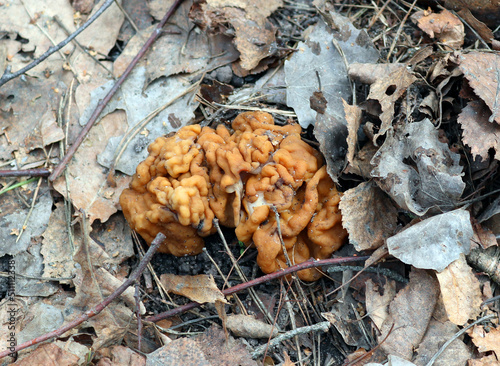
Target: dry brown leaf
370, 73
461, 291
485, 10
368, 215
120, 356
377, 304
486, 341
478, 132
49, 354
489, 360
482, 29
410, 313
288, 361
482, 70
387, 91
457, 353
445, 26
182, 351
201, 288
353, 117
91, 192
361, 162
247, 326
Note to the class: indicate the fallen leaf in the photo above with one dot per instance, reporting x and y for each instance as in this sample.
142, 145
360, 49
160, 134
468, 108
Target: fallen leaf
457, 353
484, 10
489, 360
482, 71
370, 73
368, 215
353, 118
48, 354
361, 162
482, 29
445, 27
461, 291
478, 132
417, 170
201, 288
486, 341
120, 356
435, 242
317, 63
410, 313
247, 326
377, 304
387, 91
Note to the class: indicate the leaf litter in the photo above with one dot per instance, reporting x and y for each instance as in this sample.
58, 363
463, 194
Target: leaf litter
413, 145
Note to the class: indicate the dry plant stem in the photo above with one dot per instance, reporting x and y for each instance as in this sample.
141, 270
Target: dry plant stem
7, 76
100, 106
323, 326
42, 172
138, 315
400, 29
458, 334
269, 277
99, 307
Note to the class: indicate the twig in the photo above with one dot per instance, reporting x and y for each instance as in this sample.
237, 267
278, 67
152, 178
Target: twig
272, 276
42, 172
139, 317
100, 106
400, 29
99, 307
7, 76
323, 326
458, 334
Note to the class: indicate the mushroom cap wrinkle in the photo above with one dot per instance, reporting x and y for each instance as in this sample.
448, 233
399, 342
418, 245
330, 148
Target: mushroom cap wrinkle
248, 178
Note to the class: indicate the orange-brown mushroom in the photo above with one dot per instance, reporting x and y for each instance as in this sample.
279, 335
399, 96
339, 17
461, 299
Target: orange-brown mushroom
259, 178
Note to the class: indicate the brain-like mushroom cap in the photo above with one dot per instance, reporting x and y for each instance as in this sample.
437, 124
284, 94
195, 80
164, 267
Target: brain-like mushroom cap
260, 178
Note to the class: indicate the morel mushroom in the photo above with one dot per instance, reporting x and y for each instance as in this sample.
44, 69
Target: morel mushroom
245, 178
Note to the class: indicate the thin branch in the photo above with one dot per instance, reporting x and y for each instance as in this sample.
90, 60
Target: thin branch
42, 172
99, 307
7, 76
100, 106
272, 276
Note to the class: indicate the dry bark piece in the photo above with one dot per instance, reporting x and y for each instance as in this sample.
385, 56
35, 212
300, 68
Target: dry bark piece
407, 324
486, 341
353, 117
461, 291
445, 26
201, 288
481, 69
368, 215
387, 91
478, 132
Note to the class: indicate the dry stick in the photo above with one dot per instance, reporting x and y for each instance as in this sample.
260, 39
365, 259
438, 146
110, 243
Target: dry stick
100, 106
312, 263
400, 29
7, 76
42, 172
99, 307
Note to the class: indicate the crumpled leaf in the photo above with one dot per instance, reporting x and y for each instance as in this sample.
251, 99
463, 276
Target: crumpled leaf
482, 71
457, 353
201, 288
317, 61
461, 291
433, 179
478, 132
49, 354
138, 104
446, 27
377, 304
370, 73
247, 326
387, 91
410, 313
435, 242
368, 215
486, 341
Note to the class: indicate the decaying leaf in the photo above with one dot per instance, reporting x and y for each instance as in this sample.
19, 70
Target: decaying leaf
92, 192
461, 291
486, 341
417, 170
445, 27
482, 71
49, 354
482, 29
318, 66
457, 353
478, 132
377, 304
201, 288
409, 315
387, 91
368, 215
247, 326
489, 360
435, 242
370, 73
